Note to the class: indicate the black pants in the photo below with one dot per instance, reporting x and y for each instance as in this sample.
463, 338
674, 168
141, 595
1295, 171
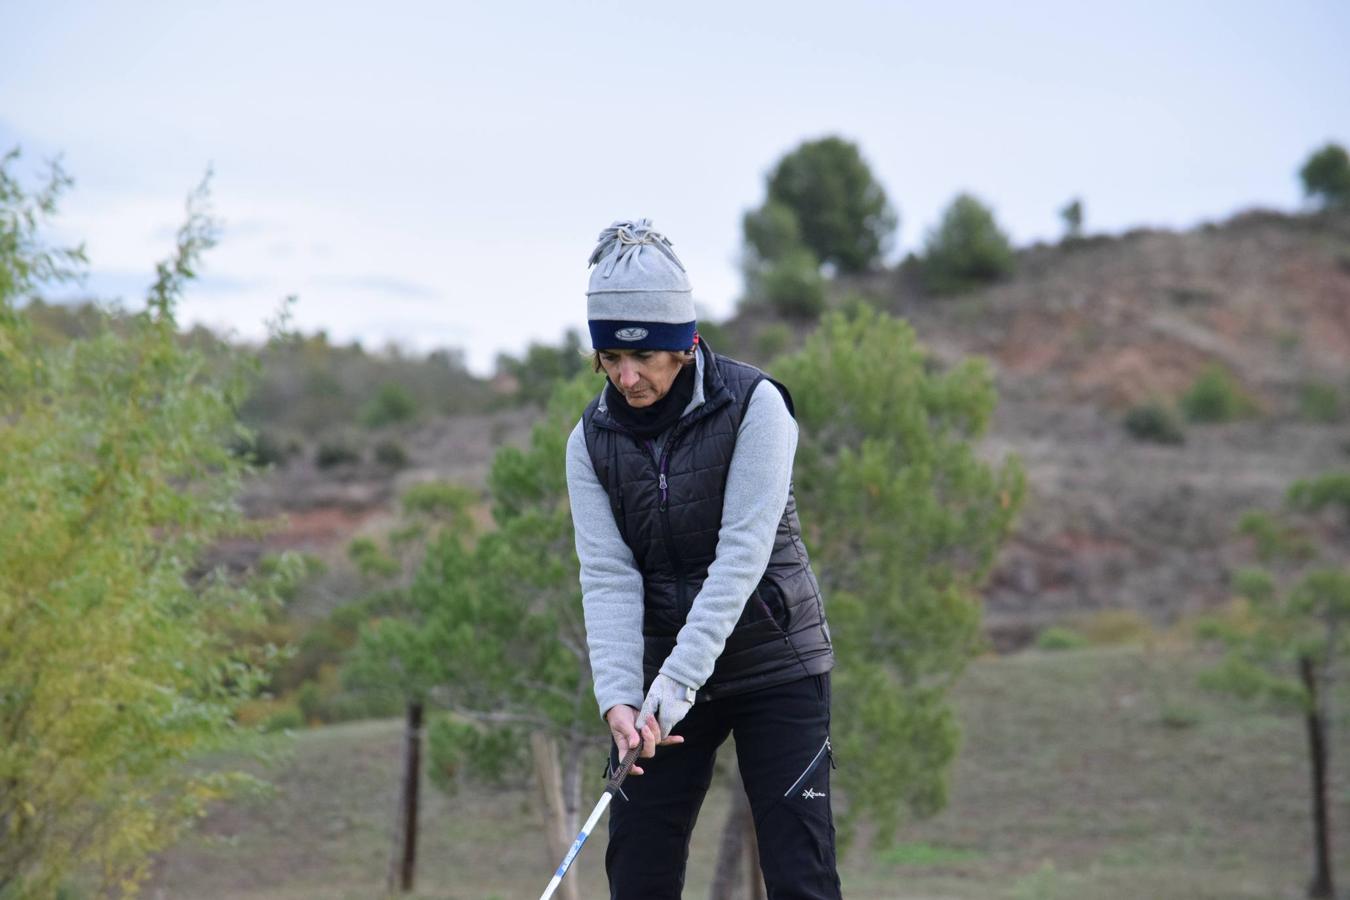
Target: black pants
783, 748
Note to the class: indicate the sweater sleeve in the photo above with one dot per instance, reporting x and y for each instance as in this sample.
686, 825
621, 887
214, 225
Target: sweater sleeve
611, 585
756, 493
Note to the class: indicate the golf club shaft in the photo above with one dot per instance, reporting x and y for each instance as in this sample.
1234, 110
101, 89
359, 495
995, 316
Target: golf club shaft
611, 788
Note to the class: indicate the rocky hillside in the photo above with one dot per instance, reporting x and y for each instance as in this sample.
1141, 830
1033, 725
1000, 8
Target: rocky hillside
1084, 331
1090, 328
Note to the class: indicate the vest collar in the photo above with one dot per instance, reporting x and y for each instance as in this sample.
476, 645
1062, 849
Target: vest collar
710, 392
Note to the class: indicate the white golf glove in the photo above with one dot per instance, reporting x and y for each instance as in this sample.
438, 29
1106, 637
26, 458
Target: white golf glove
668, 701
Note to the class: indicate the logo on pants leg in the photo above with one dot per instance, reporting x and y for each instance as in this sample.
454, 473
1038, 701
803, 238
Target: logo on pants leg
810, 794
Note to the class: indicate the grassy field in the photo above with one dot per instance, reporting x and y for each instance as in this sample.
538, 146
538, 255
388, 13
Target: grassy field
1100, 773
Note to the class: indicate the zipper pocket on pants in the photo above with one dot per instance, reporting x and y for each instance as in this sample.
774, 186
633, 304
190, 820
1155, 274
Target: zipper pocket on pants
810, 767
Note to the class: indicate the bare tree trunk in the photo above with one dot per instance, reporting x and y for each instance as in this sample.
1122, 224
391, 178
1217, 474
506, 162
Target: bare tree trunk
403, 864
548, 777
736, 875
571, 788
729, 871
1321, 885
754, 878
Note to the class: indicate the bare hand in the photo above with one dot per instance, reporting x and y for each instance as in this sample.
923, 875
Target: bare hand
627, 735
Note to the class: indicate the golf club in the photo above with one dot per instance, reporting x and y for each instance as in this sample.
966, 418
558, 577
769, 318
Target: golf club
611, 788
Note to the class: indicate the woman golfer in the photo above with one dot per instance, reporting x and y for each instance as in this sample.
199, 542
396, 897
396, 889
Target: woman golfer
703, 617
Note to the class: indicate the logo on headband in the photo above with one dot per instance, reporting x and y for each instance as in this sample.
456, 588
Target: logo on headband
631, 334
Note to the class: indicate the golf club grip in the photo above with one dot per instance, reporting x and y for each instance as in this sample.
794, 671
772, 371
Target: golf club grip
621, 773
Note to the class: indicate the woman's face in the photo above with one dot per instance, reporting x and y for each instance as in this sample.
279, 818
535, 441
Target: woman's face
642, 376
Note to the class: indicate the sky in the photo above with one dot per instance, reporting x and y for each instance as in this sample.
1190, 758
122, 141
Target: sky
435, 174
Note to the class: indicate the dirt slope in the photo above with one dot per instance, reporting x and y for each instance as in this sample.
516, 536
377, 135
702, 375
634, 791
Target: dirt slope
1081, 332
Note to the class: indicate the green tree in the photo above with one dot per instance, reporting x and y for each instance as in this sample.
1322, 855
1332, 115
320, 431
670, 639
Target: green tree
397, 654
967, 249
1326, 176
841, 209
495, 632
1290, 629
903, 521
772, 232
116, 657
781, 272
538, 372
1072, 214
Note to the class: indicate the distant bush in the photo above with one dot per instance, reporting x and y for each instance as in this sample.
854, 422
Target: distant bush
289, 572
266, 449
543, 366
792, 286
1072, 215
390, 405
717, 336
773, 340
772, 231
286, 719
335, 452
391, 454
1326, 176
1113, 626
370, 560
1319, 402
326, 703
1176, 715
1155, 421
1215, 396
1059, 638
310, 385
308, 698
966, 249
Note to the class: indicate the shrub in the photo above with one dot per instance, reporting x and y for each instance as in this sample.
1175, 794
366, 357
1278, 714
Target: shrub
391, 454
118, 660
288, 719
261, 449
335, 452
967, 248
543, 366
1326, 176
1319, 402
773, 340
1155, 421
1059, 638
324, 701
1114, 626
1175, 715
370, 560
792, 286
390, 405
1215, 396
716, 335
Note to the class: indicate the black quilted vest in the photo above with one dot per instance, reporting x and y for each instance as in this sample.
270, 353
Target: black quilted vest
669, 510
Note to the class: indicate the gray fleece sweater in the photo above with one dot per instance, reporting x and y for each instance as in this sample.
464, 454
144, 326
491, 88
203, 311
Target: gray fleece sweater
611, 585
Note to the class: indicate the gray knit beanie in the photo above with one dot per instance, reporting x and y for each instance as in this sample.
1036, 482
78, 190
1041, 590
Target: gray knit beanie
639, 297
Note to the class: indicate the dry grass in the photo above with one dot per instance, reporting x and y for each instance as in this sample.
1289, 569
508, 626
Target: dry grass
1100, 774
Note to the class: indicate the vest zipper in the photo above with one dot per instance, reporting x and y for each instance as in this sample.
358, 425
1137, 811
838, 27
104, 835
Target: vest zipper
681, 591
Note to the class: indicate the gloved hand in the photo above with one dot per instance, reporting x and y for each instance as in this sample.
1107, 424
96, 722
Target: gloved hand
667, 703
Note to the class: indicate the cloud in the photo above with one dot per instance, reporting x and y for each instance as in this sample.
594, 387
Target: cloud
381, 284
131, 286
